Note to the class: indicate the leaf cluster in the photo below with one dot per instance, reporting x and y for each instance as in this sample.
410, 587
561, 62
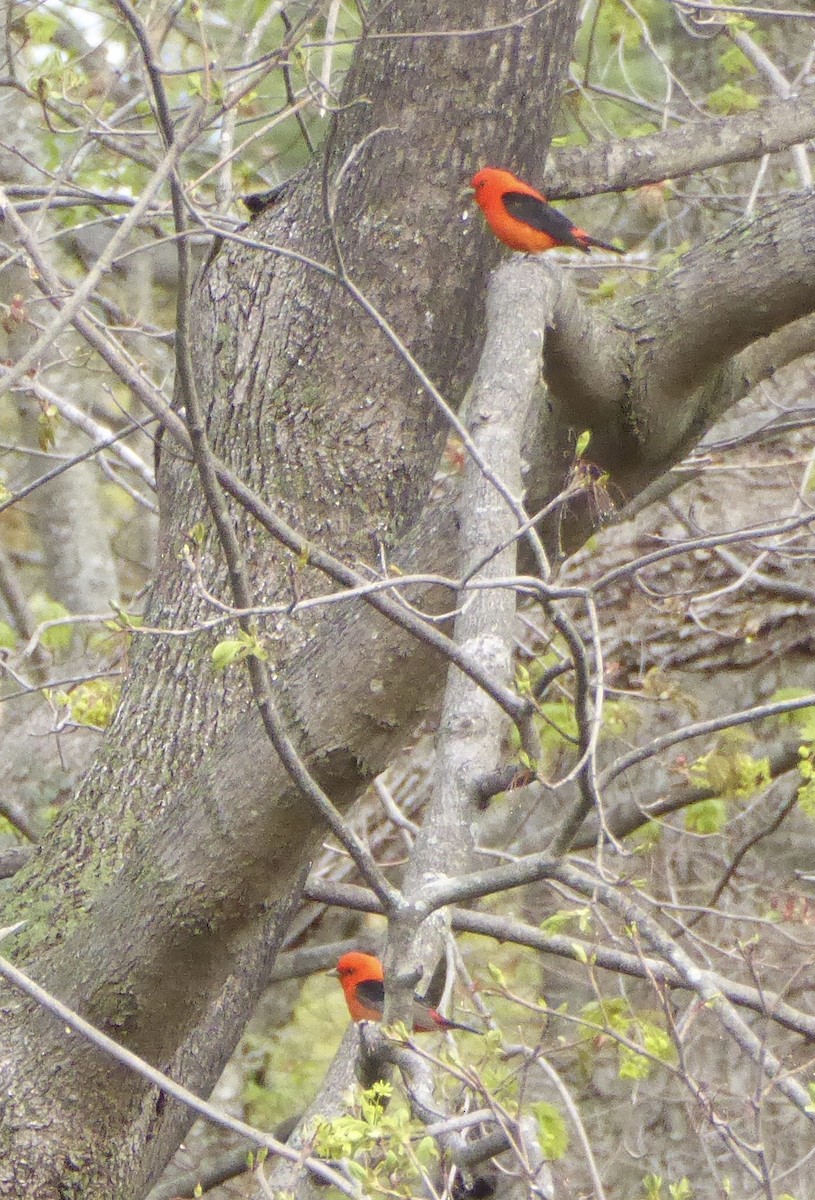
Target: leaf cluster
384, 1149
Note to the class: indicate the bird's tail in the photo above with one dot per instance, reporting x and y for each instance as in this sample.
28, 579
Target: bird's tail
590, 241
458, 1025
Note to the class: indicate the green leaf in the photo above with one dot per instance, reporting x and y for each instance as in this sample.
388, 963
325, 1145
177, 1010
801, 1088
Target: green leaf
806, 798
523, 680
497, 974
552, 1132
605, 290
611, 1013
46, 609
802, 718
739, 21
232, 650
356, 1170
564, 917
633, 1065
47, 425
735, 62
657, 1042
226, 653
582, 443
730, 772
731, 98
93, 703
123, 620
683, 1190
576, 138
706, 816
427, 1152
646, 837
41, 26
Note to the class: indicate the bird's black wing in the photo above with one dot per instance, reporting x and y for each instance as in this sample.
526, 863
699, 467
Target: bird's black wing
542, 217
371, 992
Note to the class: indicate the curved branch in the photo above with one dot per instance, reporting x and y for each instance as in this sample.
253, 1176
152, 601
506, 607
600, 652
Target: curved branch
650, 379
785, 346
745, 284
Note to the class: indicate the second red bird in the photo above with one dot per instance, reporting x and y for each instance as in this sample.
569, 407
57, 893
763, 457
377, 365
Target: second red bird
362, 981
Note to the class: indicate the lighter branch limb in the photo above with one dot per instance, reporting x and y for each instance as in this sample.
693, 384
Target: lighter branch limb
685, 149
472, 727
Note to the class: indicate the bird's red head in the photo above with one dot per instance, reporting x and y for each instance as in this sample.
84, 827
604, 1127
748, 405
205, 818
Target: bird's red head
355, 966
493, 180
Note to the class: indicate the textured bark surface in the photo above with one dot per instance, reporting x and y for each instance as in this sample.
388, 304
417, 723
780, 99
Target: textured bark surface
156, 906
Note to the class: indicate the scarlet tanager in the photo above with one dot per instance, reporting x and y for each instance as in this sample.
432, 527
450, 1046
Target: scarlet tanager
521, 218
362, 981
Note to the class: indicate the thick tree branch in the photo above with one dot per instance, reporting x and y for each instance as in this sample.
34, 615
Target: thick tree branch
769, 354
630, 375
745, 284
672, 154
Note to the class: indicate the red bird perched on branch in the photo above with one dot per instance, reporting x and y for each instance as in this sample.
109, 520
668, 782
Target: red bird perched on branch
362, 980
522, 219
